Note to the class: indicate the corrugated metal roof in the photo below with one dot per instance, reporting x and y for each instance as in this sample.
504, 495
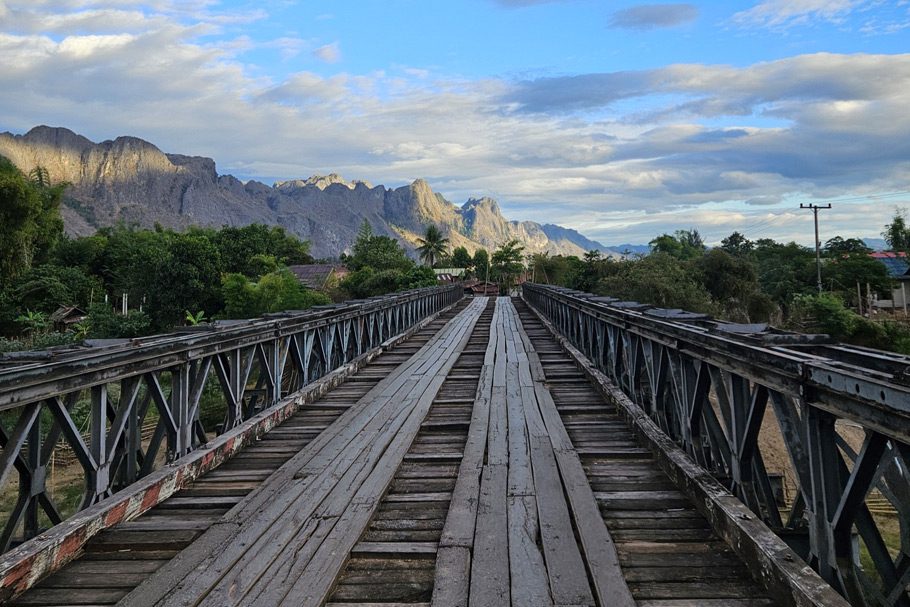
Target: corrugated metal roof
895, 263
313, 275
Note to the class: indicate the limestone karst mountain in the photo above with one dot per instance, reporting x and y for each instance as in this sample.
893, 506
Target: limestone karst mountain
130, 180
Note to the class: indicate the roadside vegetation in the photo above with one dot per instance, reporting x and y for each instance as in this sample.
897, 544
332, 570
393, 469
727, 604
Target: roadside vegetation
751, 282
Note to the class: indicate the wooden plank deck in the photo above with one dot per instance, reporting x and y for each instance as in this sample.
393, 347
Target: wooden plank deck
524, 522
479, 468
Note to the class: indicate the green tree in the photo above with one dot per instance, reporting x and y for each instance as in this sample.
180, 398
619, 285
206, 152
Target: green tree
684, 244
274, 292
556, 270
732, 283
33, 322
433, 246
659, 279
378, 252
462, 259
481, 263
784, 270
47, 287
842, 273
104, 323
896, 233
238, 247
187, 276
506, 264
30, 220
86, 253
588, 273
132, 256
838, 247
736, 244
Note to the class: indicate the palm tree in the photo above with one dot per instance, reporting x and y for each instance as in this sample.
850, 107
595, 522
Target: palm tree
432, 246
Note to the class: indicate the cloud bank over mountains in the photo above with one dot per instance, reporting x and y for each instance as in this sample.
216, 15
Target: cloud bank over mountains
620, 155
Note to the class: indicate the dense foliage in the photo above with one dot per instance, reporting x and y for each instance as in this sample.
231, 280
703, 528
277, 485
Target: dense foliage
746, 281
30, 220
162, 274
380, 265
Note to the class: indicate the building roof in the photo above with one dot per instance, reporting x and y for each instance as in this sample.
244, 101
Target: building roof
67, 314
895, 263
313, 275
457, 272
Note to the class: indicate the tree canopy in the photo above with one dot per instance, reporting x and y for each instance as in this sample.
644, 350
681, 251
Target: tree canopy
896, 233
30, 222
433, 246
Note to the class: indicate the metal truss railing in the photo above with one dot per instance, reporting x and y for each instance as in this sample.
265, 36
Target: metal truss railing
729, 393
188, 385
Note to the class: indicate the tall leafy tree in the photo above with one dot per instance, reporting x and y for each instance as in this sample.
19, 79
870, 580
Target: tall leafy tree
684, 244
507, 263
30, 220
736, 244
896, 233
482, 263
433, 246
658, 279
239, 246
186, 277
462, 259
838, 247
379, 252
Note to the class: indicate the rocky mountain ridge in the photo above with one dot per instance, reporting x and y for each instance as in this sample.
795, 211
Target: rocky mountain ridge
130, 180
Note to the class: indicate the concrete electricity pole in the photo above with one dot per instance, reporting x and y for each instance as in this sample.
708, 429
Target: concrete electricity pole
818, 257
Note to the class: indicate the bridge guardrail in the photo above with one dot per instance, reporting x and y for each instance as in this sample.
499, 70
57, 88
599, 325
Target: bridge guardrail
842, 414
197, 383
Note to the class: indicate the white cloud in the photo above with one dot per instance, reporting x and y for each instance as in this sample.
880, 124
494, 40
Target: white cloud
330, 53
787, 13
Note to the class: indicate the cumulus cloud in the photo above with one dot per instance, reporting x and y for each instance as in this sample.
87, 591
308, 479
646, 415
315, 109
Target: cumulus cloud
653, 16
329, 53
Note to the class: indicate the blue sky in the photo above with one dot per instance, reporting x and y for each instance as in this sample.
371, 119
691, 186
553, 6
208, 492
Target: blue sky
620, 119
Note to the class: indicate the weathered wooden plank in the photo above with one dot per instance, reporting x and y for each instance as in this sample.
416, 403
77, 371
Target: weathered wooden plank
314, 580
528, 573
453, 571
565, 565
490, 562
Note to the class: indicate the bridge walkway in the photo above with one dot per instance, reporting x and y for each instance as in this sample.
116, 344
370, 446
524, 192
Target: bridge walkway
472, 465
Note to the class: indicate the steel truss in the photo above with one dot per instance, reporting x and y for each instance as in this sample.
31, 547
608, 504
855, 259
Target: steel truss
714, 387
97, 401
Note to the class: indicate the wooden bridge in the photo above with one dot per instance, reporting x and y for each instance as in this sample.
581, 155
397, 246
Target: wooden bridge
424, 449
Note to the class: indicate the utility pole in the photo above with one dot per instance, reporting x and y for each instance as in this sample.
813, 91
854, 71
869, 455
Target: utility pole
818, 255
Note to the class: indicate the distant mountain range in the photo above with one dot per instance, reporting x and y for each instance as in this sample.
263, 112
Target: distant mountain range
130, 180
